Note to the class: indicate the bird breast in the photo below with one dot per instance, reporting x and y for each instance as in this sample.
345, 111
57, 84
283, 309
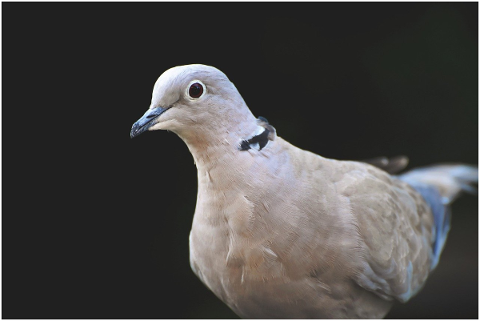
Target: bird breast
256, 252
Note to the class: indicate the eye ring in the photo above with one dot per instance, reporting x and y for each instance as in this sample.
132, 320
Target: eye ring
196, 89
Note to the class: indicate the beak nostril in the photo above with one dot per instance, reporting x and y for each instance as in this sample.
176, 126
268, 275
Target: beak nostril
146, 121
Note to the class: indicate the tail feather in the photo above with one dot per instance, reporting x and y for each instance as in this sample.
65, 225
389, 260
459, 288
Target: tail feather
449, 180
440, 185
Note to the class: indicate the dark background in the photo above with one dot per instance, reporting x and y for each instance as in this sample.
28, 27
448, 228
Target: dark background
95, 225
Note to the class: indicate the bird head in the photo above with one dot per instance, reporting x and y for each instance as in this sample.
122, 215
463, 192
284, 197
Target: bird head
196, 102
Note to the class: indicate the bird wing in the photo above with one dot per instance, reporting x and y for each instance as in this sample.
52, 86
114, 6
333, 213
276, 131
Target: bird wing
374, 228
395, 226
390, 165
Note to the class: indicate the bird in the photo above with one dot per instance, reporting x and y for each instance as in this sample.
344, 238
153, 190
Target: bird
281, 232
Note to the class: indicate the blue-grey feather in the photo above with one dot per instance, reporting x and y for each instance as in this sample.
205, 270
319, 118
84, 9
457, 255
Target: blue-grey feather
441, 217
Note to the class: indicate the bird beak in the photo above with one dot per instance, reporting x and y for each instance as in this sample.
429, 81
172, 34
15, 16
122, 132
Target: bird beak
147, 121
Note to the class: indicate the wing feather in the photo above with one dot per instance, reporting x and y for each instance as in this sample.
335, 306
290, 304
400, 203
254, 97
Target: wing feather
396, 228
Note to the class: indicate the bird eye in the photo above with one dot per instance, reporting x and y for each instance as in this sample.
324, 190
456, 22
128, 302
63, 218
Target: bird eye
195, 90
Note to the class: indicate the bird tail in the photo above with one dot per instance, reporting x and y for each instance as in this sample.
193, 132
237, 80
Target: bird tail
440, 185
449, 180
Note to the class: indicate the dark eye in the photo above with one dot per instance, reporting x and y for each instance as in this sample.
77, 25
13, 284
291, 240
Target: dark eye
195, 90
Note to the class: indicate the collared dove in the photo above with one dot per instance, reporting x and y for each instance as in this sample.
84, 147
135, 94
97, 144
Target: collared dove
280, 232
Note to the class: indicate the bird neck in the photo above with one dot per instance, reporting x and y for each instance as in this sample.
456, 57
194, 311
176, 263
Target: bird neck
211, 147
219, 141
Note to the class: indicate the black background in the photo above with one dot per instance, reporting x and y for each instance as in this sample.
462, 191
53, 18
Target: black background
95, 225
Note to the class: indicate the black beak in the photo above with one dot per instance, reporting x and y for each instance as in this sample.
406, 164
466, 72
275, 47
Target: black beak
147, 121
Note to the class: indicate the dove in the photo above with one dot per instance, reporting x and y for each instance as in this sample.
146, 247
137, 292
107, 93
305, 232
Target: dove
280, 232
